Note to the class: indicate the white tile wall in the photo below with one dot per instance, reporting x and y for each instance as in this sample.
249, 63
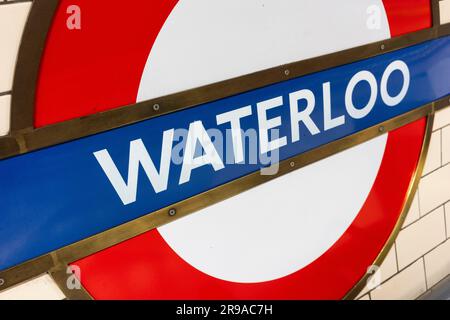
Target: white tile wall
434, 189
414, 212
445, 11
389, 266
419, 259
437, 264
5, 102
385, 271
12, 22
447, 218
446, 145
408, 284
442, 119
42, 288
434, 153
420, 237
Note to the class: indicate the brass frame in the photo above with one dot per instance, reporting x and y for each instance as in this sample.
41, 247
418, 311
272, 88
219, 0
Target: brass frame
60, 258
25, 138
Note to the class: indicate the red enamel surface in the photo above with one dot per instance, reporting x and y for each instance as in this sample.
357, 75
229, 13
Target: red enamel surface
147, 268
407, 16
88, 71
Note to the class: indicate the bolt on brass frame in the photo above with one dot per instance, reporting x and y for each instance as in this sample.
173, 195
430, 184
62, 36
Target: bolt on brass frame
25, 138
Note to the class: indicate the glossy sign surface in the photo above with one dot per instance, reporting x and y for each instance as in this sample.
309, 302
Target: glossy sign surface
212, 254
79, 201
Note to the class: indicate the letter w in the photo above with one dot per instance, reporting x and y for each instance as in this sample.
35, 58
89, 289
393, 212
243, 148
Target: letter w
138, 156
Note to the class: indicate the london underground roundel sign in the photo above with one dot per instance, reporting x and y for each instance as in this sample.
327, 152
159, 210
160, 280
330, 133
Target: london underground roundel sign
181, 162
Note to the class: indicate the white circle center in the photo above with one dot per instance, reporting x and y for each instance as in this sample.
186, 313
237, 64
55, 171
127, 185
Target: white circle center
278, 228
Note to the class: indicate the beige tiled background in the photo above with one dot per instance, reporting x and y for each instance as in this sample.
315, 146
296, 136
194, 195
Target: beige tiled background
41, 288
13, 15
420, 257
444, 6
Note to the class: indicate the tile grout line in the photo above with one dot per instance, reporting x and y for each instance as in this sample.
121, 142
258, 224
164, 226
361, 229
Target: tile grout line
396, 257
425, 272
409, 265
445, 221
442, 147
435, 170
6, 93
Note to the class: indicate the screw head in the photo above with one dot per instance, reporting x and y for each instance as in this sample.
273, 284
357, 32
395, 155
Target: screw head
2, 282
382, 129
287, 72
292, 164
383, 47
172, 212
156, 107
